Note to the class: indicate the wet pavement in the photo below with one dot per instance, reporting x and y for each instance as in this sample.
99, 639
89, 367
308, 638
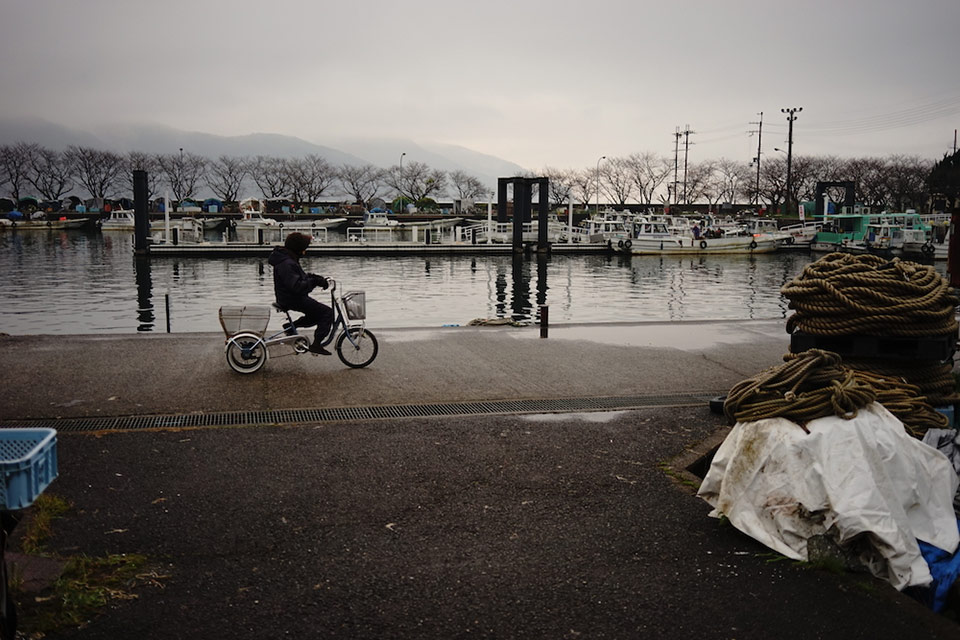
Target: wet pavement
562, 525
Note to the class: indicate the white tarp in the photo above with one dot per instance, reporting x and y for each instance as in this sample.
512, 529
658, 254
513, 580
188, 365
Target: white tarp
846, 478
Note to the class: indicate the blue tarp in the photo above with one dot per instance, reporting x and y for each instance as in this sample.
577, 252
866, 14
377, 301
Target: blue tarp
945, 569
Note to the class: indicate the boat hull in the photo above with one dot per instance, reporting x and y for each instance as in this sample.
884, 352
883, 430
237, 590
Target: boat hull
671, 245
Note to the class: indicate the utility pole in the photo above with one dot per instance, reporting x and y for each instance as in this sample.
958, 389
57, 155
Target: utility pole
790, 118
676, 156
757, 159
686, 149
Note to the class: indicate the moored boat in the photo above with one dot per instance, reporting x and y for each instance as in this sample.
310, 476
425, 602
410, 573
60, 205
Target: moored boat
655, 238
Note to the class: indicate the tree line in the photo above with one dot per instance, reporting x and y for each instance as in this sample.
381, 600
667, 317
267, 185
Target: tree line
31, 169
896, 182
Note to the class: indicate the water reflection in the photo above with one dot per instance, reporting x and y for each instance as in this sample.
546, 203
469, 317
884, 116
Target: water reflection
143, 276
101, 288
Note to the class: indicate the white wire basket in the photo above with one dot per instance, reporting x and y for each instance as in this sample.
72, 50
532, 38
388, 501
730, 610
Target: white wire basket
246, 319
355, 304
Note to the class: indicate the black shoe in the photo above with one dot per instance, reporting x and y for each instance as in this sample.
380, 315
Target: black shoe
318, 349
290, 329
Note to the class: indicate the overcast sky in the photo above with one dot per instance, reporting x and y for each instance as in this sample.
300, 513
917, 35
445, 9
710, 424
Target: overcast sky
555, 83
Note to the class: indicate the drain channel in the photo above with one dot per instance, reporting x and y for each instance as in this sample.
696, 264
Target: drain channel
294, 416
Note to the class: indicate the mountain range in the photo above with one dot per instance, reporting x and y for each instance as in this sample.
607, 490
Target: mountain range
155, 138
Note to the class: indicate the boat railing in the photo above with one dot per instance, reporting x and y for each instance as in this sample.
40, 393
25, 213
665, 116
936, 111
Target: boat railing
373, 234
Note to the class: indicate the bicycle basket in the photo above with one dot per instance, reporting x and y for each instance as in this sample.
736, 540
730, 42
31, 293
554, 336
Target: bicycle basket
355, 304
247, 319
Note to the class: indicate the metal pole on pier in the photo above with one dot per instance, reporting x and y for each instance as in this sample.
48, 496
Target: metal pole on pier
570, 221
490, 223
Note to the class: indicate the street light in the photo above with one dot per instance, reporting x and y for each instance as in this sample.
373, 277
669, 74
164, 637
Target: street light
598, 183
400, 178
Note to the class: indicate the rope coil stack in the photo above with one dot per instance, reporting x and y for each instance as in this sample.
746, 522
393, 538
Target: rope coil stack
847, 295
843, 294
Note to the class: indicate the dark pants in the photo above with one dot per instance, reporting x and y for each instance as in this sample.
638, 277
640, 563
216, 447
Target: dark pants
314, 313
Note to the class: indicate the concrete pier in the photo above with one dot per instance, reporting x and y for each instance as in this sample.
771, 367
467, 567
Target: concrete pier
510, 524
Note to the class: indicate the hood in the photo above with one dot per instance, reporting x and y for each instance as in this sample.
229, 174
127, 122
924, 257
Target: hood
280, 254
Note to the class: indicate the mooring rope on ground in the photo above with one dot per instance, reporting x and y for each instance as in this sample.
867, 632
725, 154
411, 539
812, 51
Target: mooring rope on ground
843, 294
815, 384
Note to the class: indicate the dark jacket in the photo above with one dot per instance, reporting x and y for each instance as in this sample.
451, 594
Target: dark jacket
290, 283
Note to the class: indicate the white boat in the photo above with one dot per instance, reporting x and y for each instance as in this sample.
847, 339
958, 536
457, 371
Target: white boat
655, 238
608, 228
758, 227
932, 243
801, 235
253, 220
124, 220
119, 220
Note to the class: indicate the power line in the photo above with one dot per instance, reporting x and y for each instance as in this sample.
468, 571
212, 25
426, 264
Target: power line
918, 114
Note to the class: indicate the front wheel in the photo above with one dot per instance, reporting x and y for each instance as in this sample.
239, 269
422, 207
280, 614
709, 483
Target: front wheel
362, 353
246, 353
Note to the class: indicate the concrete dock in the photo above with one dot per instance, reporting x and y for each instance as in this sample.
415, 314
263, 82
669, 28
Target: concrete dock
492, 522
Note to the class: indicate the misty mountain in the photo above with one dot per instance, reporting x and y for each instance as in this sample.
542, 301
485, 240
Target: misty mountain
154, 138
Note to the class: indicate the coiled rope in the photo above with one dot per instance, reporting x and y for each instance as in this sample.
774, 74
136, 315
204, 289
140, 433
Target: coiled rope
815, 384
844, 294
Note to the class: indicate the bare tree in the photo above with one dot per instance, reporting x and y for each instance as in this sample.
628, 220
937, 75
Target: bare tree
467, 187
15, 167
272, 176
867, 175
50, 173
183, 172
98, 171
584, 185
906, 181
225, 177
149, 162
363, 183
733, 179
698, 177
310, 178
561, 185
649, 171
416, 181
773, 181
617, 180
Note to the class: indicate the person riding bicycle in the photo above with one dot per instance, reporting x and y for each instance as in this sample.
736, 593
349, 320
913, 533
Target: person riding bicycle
292, 286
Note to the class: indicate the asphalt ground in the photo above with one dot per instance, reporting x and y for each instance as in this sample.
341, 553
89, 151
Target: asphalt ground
561, 525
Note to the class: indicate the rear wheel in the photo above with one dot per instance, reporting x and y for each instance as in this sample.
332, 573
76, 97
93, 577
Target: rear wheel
361, 354
246, 354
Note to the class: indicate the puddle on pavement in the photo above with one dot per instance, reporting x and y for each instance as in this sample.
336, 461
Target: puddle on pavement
592, 416
678, 336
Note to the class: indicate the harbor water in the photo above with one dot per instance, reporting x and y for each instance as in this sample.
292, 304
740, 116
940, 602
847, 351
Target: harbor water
88, 282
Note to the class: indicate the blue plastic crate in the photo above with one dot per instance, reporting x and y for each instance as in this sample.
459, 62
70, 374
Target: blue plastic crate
28, 464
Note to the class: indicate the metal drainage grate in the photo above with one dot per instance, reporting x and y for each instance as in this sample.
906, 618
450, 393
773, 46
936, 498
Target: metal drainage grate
293, 416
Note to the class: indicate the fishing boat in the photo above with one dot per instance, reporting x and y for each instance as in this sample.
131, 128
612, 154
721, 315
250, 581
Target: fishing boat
841, 230
22, 224
931, 241
655, 238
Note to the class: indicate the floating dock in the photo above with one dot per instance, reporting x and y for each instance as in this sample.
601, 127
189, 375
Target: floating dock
234, 249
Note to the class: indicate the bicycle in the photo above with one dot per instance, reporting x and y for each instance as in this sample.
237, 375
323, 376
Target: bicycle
248, 347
